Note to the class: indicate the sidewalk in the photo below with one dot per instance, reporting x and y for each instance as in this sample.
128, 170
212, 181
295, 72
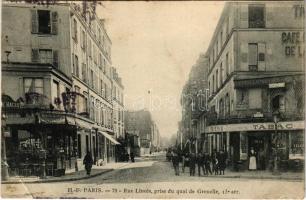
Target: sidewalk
96, 171
258, 175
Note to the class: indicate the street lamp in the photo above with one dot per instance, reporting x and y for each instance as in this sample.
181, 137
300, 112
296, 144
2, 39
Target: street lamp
4, 165
276, 119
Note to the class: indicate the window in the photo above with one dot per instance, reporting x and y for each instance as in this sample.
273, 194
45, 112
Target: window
278, 103
87, 143
253, 57
242, 97
84, 72
221, 74
227, 105
221, 39
217, 80
91, 78
55, 93
83, 38
44, 22
226, 65
221, 108
76, 66
213, 84
255, 98
256, 16
45, 56
85, 102
78, 100
33, 85
75, 30
79, 146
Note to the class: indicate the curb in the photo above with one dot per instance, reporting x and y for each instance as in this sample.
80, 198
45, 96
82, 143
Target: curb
251, 177
58, 180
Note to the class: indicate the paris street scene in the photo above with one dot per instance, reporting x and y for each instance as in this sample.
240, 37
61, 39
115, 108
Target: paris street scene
143, 99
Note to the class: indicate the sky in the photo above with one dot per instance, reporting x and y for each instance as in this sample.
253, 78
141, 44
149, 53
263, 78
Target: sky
154, 46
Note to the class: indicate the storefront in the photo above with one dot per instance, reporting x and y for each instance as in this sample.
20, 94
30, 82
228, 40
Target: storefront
44, 139
239, 139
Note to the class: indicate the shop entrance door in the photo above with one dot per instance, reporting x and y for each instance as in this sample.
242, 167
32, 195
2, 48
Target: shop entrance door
258, 143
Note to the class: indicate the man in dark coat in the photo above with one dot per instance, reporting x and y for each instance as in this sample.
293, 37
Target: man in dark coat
132, 156
176, 162
200, 164
192, 163
88, 162
222, 161
206, 161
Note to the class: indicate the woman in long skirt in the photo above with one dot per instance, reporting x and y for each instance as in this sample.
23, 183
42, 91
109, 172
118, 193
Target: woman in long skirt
252, 164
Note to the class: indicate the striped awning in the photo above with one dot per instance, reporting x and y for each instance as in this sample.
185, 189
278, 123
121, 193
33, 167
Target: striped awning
109, 137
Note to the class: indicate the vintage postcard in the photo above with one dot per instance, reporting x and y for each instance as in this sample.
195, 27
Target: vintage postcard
152, 99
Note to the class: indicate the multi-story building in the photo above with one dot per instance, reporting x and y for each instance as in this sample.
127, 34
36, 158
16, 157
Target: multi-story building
118, 105
194, 106
256, 83
57, 85
140, 124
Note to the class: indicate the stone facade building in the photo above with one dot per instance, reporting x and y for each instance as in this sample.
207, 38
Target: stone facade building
56, 86
256, 84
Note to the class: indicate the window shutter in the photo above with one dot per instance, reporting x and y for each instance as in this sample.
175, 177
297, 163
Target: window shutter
244, 16
261, 57
54, 18
35, 55
55, 58
34, 21
244, 57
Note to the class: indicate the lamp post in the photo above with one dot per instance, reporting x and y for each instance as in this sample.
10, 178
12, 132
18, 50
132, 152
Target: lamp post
276, 142
4, 165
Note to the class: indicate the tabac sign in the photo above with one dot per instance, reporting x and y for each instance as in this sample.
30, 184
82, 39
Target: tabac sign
295, 125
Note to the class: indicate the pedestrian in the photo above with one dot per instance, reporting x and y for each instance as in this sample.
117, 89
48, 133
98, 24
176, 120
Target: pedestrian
192, 163
88, 162
200, 164
176, 162
252, 162
183, 162
215, 162
132, 156
222, 162
207, 160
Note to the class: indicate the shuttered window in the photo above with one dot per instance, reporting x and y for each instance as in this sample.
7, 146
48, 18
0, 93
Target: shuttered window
44, 22
45, 56
253, 57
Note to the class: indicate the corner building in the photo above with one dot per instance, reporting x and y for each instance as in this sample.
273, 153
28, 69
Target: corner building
256, 84
56, 87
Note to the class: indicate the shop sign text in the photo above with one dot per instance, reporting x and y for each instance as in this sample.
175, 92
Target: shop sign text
293, 42
272, 126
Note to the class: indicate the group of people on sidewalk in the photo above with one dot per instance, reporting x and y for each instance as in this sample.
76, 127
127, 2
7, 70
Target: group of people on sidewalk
208, 164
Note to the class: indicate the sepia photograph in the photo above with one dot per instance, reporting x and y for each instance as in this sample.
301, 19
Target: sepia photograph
152, 99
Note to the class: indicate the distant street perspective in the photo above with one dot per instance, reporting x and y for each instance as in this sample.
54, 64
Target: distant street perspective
152, 99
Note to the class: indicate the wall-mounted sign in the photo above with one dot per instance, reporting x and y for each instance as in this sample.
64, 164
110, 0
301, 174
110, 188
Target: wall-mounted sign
276, 85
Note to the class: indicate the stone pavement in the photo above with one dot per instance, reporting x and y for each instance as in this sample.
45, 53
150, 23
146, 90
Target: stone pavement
96, 171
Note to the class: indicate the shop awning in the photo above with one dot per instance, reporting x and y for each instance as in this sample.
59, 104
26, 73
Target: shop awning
55, 118
113, 140
266, 126
83, 124
19, 120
